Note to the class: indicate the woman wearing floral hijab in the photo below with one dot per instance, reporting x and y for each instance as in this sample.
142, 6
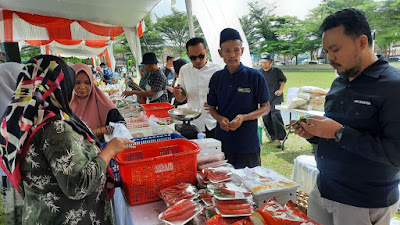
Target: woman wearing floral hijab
49, 153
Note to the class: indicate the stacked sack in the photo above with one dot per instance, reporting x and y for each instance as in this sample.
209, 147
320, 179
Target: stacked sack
309, 98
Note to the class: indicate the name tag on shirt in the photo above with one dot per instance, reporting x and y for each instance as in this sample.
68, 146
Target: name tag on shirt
362, 102
244, 90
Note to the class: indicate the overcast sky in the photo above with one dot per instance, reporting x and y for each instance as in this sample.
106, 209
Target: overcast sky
299, 8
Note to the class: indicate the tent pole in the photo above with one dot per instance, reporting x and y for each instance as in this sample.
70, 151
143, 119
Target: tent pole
188, 4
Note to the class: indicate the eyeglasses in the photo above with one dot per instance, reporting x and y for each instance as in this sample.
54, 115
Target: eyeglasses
193, 57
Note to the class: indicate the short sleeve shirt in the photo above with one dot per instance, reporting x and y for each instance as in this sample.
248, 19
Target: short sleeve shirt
233, 94
157, 81
274, 77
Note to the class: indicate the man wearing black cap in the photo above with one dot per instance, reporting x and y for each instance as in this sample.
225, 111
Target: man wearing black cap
276, 82
155, 89
234, 98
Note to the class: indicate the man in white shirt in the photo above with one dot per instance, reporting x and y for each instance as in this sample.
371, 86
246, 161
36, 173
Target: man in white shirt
193, 83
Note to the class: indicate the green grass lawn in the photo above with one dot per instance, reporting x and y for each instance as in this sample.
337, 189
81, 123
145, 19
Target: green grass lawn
275, 158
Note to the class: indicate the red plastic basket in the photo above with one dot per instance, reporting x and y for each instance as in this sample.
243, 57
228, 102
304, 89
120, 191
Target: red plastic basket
147, 168
159, 109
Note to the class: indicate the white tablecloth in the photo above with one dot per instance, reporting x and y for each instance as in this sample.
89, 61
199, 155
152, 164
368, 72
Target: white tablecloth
144, 214
305, 172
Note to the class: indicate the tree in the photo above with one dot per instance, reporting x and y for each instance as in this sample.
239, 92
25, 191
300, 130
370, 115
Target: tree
384, 18
151, 40
257, 27
120, 45
292, 36
175, 30
312, 34
29, 51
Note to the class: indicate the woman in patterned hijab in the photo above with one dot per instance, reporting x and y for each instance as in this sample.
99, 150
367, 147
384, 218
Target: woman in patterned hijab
49, 153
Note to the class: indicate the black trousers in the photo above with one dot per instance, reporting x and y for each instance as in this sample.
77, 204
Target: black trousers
210, 133
274, 124
240, 161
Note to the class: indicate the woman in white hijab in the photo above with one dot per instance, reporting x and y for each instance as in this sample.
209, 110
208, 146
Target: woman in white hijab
11, 199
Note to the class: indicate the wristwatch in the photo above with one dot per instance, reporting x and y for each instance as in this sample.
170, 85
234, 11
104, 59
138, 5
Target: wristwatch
339, 134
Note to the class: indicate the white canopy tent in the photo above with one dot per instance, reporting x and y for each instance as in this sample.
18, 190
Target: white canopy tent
213, 16
117, 15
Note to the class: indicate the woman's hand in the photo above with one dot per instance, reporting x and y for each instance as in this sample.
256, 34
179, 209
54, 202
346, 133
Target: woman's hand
100, 131
114, 147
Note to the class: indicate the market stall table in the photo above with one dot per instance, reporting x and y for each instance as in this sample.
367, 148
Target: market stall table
143, 214
296, 113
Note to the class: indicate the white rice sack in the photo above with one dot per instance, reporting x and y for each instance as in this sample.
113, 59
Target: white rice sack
317, 103
313, 90
296, 102
305, 96
304, 107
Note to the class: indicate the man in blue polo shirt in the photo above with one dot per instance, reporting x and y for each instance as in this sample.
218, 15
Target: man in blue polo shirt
235, 94
358, 152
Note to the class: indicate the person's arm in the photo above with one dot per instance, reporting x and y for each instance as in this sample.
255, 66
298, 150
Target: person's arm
180, 96
223, 121
280, 91
66, 151
170, 89
282, 80
240, 118
135, 86
145, 94
382, 146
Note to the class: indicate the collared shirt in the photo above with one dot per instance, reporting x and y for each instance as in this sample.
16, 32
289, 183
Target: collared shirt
238, 93
362, 168
274, 76
157, 81
195, 82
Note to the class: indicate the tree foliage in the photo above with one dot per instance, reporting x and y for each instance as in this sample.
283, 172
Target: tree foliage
384, 18
29, 51
175, 30
152, 40
291, 36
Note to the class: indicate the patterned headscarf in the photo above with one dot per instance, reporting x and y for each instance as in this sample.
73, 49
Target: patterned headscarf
143, 81
43, 94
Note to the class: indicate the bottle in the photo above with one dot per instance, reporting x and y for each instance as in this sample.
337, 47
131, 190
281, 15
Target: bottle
202, 143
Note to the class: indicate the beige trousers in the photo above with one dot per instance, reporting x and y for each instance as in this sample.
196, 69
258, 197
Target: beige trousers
327, 212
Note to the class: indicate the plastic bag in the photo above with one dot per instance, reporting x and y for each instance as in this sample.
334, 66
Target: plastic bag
120, 131
288, 214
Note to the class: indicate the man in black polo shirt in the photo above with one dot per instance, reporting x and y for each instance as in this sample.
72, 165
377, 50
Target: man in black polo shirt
276, 82
358, 152
238, 95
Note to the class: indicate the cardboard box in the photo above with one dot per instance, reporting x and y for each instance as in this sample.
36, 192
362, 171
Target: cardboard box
282, 196
213, 146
